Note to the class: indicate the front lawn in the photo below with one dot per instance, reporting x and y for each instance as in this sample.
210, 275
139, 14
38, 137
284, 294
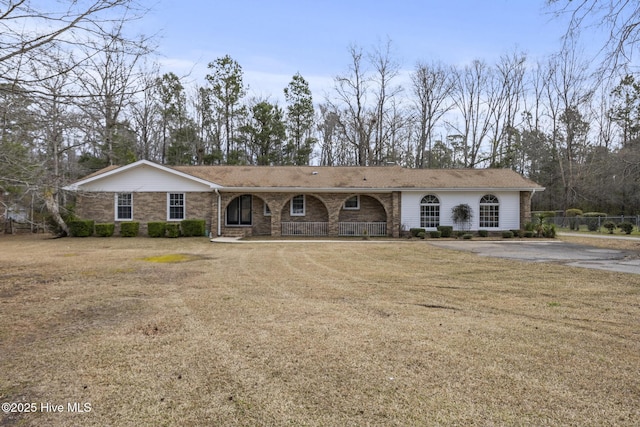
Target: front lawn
187, 332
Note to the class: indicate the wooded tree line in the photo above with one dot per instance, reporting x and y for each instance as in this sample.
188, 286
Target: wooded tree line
84, 94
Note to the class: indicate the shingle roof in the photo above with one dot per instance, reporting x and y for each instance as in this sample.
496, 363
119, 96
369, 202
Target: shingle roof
390, 177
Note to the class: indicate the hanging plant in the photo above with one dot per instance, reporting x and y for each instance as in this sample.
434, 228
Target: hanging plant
462, 214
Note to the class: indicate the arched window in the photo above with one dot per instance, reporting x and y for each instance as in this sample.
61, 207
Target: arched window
429, 211
489, 211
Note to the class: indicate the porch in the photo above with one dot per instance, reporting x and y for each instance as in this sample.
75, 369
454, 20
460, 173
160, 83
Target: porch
324, 214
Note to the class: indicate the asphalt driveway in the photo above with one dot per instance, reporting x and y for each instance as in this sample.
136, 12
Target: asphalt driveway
549, 251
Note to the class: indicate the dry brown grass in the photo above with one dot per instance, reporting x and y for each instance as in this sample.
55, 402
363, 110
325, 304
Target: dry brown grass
261, 334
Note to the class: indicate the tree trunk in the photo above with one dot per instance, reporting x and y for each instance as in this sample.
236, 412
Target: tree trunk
54, 210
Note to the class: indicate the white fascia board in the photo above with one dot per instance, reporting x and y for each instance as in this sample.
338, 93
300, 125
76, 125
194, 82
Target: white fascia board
76, 185
471, 189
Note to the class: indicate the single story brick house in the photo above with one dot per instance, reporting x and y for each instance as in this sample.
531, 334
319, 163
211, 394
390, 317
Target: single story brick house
305, 200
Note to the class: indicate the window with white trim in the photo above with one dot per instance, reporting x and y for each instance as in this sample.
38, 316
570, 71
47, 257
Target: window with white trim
489, 211
352, 203
175, 208
430, 211
298, 205
124, 206
267, 210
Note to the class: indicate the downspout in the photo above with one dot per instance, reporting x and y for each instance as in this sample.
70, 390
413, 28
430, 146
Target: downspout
219, 212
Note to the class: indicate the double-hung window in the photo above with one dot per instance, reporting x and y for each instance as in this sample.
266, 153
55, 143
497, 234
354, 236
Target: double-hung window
352, 203
175, 206
297, 206
124, 206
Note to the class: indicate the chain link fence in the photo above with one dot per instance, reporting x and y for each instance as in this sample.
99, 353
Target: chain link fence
592, 223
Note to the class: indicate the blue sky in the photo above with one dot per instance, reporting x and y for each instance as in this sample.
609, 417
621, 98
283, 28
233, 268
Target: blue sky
272, 40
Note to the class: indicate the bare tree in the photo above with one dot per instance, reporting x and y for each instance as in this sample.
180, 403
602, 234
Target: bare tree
566, 98
356, 120
620, 19
474, 100
432, 88
109, 79
386, 69
145, 117
27, 28
507, 94
40, 44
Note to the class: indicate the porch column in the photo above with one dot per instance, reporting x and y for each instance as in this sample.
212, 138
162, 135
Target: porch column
394, 221
276, 226
276, 203
334, 205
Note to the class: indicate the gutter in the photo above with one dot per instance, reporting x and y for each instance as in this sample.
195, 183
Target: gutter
366, 189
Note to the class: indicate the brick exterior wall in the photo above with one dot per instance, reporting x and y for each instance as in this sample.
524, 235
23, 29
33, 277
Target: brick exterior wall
525, 208
371, 210
319, 207
147, 207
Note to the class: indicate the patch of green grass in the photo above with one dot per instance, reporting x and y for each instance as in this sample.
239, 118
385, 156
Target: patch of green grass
169, 258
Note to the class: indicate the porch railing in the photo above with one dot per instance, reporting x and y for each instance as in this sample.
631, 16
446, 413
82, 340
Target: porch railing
362, 228
305, 228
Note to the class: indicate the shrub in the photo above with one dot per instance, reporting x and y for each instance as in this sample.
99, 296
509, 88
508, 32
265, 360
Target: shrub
467, 236
435, 234
421, 235
81, 227
547, 214
173, 229
609, 225
549, 231
528, 234
156, 229
193, 227
105, 230
593, 224
627, 227
462, 214
594, 214
507, 234
573, 212
446, 230
414, 231
483, 233
129, 229
516, 233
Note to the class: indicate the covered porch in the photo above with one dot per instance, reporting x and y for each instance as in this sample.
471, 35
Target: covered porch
313, 215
